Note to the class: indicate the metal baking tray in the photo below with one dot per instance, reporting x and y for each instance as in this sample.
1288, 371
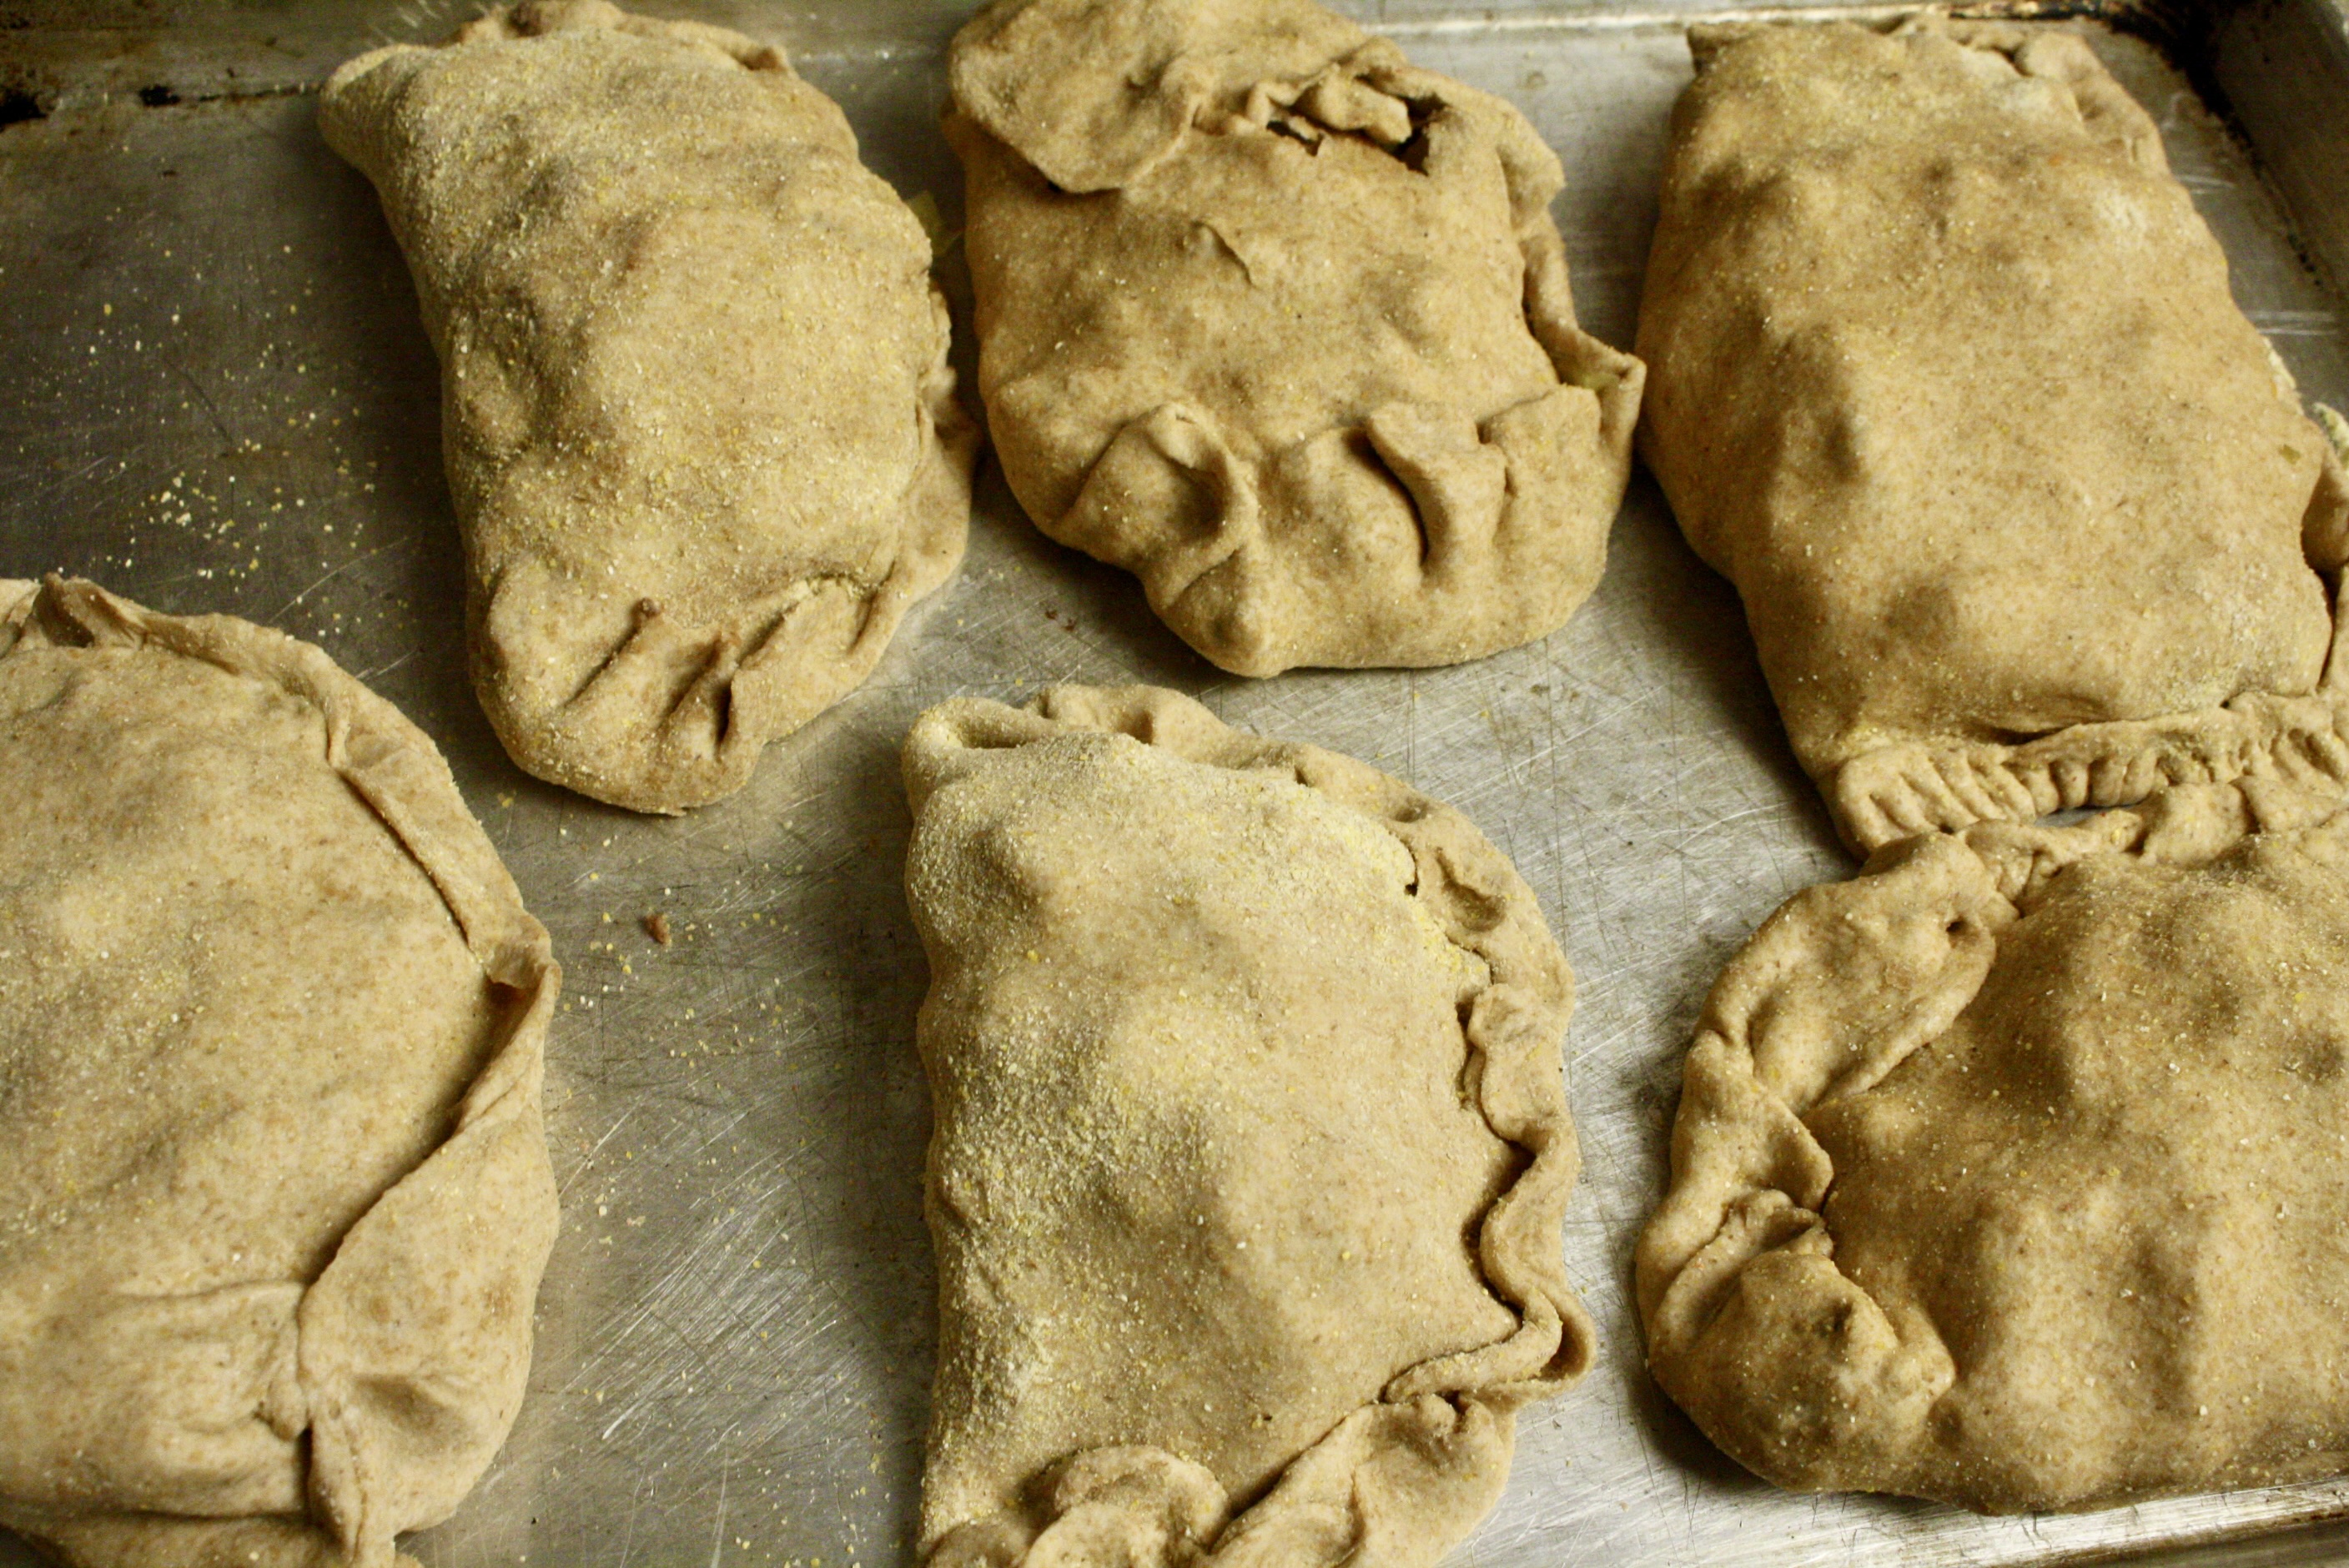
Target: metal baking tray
217, 397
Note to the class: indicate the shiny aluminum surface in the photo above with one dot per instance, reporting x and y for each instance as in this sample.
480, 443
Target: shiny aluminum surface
217, 397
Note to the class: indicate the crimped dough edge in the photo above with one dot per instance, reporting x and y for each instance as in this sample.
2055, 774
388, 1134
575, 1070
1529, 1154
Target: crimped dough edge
1439, 1438
394, 1441
1927, 786
822, 646
1884, 795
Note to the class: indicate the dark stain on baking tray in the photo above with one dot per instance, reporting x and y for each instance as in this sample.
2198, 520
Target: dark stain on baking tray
2321, 1537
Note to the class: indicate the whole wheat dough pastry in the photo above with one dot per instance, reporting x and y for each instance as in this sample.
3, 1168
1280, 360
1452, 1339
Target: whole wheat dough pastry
2012, 1172
1251, 1150
700, 427
1949, 383
1280, 323
273, 1191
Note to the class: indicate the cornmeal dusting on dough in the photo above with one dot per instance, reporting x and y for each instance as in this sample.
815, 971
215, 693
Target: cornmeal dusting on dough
2012, 1172
1251, 1145
701, 430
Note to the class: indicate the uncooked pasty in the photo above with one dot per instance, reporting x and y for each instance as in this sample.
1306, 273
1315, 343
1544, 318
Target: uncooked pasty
1251, 1147
1280, 323
699, 423
273, 1191
1949, 383
2012, 1172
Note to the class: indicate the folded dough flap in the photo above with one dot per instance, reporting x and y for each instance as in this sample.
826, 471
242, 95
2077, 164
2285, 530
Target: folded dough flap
1581, 360
2260, 738
402, 1364
199, 1430
1948, 784
1095, 93
1279, 1287
179, 1424
173, 1404
671, 713
415, 1342
661, 706
2002, 1175
1924, 786
1096, 97
1418, 536
1392, 1485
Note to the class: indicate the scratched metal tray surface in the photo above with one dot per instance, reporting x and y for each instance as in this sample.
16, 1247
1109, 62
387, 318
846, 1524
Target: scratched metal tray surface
215, 395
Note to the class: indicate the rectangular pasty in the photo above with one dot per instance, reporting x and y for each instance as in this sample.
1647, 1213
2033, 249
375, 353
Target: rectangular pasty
2011, 1173
1279, 323
1948, 381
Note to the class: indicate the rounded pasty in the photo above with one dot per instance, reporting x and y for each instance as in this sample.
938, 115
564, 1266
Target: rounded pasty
273, 1191
1279, 323
700, 427
2012, 1172
1251, 1149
